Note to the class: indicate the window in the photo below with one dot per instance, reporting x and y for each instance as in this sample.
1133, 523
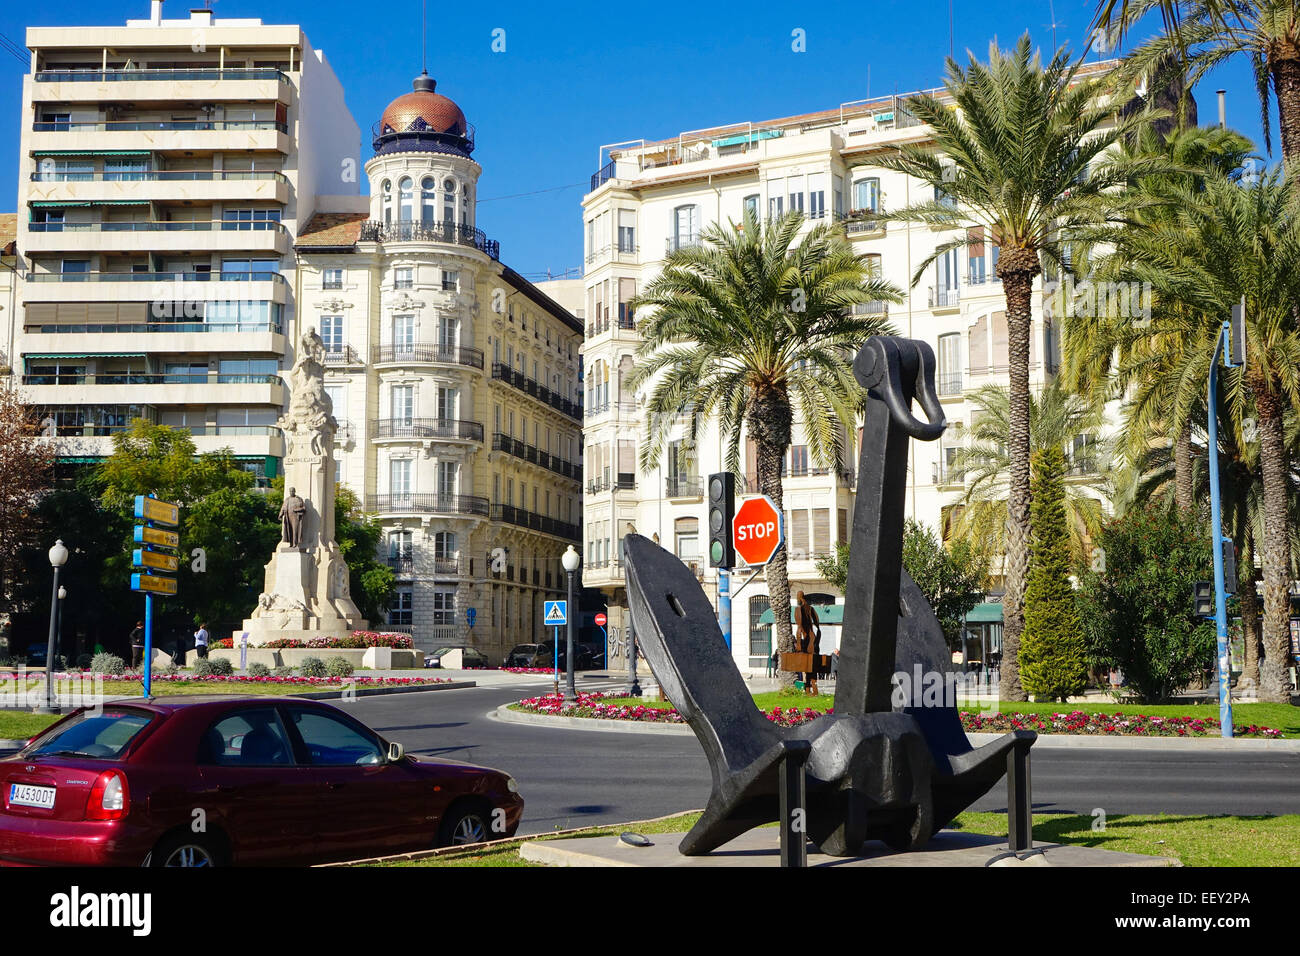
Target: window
403, 277
450, 280
686, 226
750, 204
243, 269
449, 201
447, 473
816, 195
338, 396
399, 477
399, 611
837, 195
627, 230
405, 199
444, 607
444, 545
798, 460
403, 404
866, 194
65, 170
946, 274
387, 191
403, 333
331, 332
949, 372
794, 186
331, 279
687, 534
242, 371
125, 170
943, 198
250, 738
331, 741
427, 201
250, 219
447, 403
47, 220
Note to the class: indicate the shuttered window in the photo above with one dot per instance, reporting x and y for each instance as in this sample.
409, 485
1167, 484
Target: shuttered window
821, 530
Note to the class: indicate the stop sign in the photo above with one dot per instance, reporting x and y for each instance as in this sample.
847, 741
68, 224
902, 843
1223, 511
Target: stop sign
758, 530
600, 620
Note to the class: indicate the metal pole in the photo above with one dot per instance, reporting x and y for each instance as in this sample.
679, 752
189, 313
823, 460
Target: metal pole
724, 604
148, 645
555, 640
51, 705
570, 692
633, 688
1216, 540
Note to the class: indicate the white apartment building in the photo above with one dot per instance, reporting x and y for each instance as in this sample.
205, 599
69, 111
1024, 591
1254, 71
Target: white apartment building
648, 198
165, 169
455, 382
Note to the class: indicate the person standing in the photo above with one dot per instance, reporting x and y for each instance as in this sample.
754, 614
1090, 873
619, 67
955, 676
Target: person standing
201, 641
137, 645
809, 631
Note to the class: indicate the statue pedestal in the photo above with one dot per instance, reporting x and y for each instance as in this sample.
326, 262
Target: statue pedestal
300, 601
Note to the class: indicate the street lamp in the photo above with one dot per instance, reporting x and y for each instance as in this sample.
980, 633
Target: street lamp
570, 559
58, 558
633, 688
58, 634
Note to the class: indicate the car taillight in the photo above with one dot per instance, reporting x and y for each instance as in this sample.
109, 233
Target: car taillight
110, 798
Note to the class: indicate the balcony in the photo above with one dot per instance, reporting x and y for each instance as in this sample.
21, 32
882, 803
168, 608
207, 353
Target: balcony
447, 232
198, 136
535, 522
237, 84
156, 236
684, 486
625, 322
343, 356
170, 287
1082, 466
942, 473
403, 563
946, 298
444, 429
749, 484
437, 354
602, 176
876, 307
528, 453
504, 373
863, 224
948, 385
677, 243
471, 505
155, 388
164, 186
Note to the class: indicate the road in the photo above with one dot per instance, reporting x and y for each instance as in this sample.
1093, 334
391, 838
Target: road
572, 778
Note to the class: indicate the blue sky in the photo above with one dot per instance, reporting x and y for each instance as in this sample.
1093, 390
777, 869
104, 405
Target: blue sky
573, 77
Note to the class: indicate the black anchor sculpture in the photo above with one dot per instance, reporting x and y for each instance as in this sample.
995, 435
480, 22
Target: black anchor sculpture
883, 765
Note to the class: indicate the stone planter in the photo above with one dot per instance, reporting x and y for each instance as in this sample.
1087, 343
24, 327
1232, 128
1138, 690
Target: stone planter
375, 658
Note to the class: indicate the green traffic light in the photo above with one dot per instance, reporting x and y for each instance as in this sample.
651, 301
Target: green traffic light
716, 552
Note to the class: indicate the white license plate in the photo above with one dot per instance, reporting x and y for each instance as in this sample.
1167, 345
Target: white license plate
26, 795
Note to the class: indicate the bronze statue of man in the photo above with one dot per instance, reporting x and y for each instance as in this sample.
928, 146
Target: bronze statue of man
292, 513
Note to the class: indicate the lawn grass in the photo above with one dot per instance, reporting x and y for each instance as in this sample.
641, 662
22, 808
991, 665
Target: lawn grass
1192, 840
19, 725
1283, 717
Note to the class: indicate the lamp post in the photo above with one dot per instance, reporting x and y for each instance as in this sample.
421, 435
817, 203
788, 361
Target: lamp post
633, 688
570, 560
58, 558
58, 633
1216, 534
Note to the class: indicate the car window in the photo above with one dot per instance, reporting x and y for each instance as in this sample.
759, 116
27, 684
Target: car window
104, 736
250, 738
331, 741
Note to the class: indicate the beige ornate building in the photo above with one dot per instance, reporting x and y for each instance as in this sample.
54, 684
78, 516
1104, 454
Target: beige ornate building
455, 383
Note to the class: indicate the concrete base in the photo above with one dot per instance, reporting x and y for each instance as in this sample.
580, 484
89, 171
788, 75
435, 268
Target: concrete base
761, 848
376, 658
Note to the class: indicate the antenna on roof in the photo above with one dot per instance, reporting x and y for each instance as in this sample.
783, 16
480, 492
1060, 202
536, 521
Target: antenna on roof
424, 37
1052, 7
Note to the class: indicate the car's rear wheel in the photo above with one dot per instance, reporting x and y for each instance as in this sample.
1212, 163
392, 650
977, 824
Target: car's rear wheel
185, 850
463, 825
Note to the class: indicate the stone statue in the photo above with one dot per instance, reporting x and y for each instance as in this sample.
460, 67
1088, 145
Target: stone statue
292, 513
883, 765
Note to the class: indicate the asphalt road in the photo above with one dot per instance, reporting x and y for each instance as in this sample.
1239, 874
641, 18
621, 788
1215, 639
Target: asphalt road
572, 778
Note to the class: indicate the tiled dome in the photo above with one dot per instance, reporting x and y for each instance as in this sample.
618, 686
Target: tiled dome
423, 109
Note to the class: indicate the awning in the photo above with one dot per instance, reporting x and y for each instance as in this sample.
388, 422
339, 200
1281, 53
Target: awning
119, 202
752, 137
72, 355
80, 459
826, 614
58, 205
92, 152
990, 612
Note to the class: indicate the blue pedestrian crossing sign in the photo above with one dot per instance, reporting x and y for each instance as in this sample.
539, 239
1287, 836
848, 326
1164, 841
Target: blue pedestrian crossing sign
556, 614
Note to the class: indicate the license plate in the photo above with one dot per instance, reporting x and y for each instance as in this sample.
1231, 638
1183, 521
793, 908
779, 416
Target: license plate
26, 795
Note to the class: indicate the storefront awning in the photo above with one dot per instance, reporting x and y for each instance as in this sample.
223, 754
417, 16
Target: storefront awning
77, 355
826, 613
58, 205
990, 612
91, 152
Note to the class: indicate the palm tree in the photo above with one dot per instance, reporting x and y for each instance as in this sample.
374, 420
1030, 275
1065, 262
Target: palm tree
750, 326
1233, 241
1057, 418
1027, 155
1210, 32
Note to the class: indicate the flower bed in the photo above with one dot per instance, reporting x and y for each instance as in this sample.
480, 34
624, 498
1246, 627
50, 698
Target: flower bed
1076, 722
528, 670
246, 679
357, 640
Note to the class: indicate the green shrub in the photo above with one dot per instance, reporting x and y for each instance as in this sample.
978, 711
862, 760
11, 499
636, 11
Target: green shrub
282, 671
1053, 654
204, 667
170, 669
258, 669
84, 660
221, 666
339, 667
108, 664
313, 667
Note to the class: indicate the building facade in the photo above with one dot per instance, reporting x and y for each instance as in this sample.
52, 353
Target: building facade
649, 198
455, 382
165, 169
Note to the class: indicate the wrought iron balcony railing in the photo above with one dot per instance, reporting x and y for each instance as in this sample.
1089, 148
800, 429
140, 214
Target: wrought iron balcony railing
504, 373
452, 232
529, 453
444, 428
684, 486
435, 354
428, 504
166, 75
530, 519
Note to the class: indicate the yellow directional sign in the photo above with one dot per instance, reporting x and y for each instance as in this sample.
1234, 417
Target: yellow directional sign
162, 512
150, 582
168, 539
154, 559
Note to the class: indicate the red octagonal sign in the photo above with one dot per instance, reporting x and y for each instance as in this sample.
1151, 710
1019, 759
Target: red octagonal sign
758, 530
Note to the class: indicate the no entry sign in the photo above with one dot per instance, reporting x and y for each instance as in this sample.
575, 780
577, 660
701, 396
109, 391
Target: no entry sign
600, 620
758, 530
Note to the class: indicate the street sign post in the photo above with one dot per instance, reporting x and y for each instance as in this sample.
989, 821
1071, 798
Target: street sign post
601, 619
759, 530
154, 560
555, 614
471, 614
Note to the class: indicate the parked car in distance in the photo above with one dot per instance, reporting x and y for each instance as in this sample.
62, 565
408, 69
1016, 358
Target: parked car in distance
546, 656
280, 781
521, 655
470, 657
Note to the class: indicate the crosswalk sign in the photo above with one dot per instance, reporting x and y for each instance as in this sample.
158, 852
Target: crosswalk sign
556, 614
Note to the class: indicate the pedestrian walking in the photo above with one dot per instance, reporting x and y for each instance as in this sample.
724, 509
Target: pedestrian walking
137, 645
201, 642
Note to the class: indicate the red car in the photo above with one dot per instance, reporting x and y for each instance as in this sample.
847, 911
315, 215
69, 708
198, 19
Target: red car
207, 781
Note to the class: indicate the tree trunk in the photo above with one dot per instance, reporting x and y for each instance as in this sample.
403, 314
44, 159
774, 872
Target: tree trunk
1017, 268
770, 458
1249, 610
1274, 681
1183, 495
1286, 83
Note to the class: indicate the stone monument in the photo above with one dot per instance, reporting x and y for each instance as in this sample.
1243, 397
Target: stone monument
306, 593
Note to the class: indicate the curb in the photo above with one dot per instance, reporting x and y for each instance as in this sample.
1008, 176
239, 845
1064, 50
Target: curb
1045, 741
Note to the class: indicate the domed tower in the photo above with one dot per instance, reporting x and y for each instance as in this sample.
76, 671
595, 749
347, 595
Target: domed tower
422, 179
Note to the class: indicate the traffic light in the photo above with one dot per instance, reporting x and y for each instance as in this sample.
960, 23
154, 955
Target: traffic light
1203, 595
722, 508
1229, 566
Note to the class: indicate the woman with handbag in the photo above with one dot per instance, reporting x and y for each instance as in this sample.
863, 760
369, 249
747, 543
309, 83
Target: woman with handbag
809, 637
